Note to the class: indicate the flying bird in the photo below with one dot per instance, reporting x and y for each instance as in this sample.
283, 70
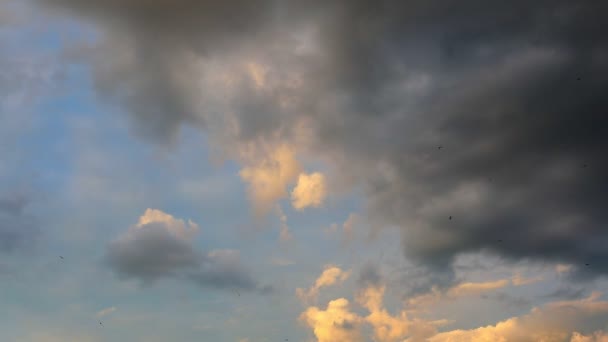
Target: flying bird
61, 257
450, 217
439, 147
100, 323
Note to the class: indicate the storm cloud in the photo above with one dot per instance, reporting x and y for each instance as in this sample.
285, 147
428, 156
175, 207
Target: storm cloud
474, 126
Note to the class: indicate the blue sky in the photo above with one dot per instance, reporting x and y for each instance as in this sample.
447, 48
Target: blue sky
178, 181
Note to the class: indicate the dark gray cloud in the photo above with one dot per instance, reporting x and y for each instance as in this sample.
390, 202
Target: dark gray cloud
153, 251
513, 92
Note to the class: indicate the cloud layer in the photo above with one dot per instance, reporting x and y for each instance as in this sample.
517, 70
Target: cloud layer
489, 114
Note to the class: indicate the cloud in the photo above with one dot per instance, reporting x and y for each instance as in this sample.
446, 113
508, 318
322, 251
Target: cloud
18, 228
269, 176
336, 323
347, 230
556, 321
331, 275
160, 246
513, 93
309, 192
284, 233
571, 320
384, 326
105, 312
598, 336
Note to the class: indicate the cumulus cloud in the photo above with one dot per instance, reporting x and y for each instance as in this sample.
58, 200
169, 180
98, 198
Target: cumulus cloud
331, 275
161, 246
340, 321
513, 93
335, 323
570, 320
310, 191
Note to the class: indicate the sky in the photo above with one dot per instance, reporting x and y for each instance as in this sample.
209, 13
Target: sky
282, 170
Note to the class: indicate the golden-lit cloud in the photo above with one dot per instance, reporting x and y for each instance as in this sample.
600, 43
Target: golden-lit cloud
310, 191
336, 323
178, 227
384, 326
268, 174
556, 321
331, 275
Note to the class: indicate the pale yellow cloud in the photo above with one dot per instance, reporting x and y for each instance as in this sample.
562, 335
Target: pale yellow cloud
177, 227
331, 275
557, 321
310, 191
336, 323
268, 172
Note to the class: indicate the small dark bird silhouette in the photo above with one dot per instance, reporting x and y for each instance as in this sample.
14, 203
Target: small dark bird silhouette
578, 78
439, 147
584, 166
450, 217
499, 240
100, 324
61, 257
586, 264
